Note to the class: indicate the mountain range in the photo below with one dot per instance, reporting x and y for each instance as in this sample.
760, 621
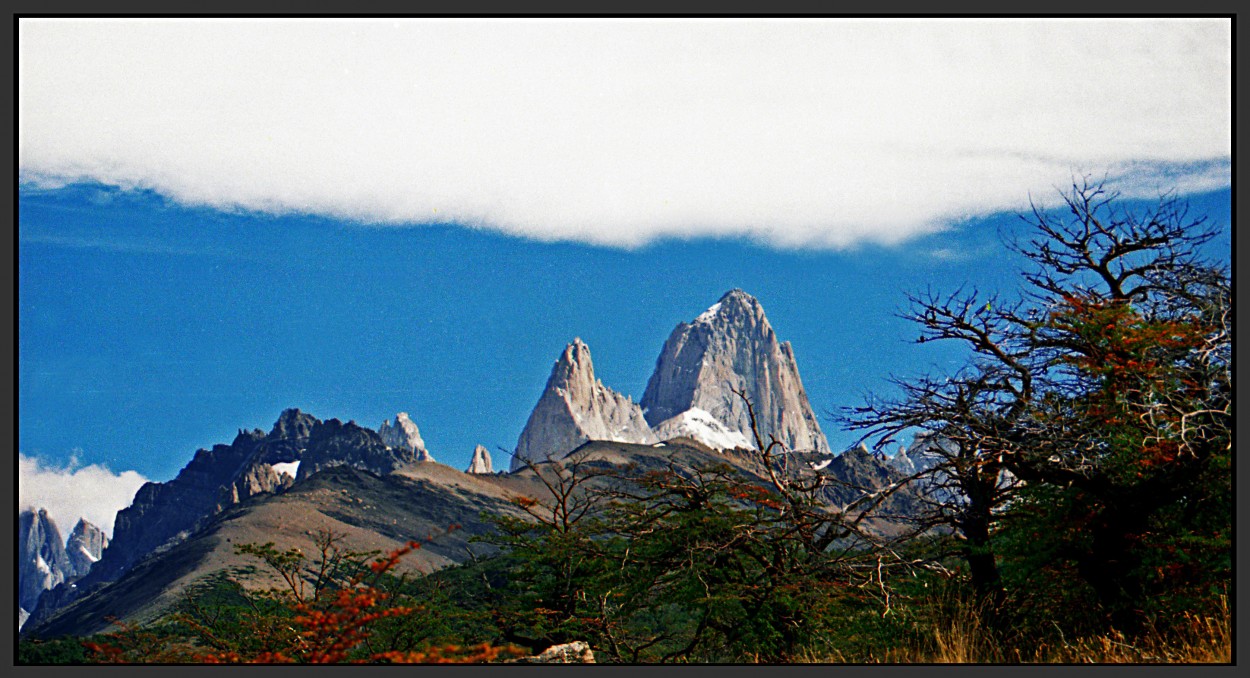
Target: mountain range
379, 489
706, 373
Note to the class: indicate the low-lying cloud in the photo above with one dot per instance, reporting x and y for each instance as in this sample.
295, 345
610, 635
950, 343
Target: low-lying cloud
822, 133
71, 492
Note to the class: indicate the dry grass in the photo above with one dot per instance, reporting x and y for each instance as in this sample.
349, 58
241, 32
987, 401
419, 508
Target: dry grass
1199, 640
963, 639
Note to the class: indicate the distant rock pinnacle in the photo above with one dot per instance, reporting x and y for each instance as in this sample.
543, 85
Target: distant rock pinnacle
481, 461
404, 435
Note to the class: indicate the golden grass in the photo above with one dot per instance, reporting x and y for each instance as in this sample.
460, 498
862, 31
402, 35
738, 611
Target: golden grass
1199, 640
962, 638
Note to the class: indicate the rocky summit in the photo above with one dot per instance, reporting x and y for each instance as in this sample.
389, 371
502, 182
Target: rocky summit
333, 443
574, 408
85, 546
404, 434
481, 461
732, 346
42, 562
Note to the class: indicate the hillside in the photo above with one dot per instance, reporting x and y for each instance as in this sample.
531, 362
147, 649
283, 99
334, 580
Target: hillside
371, 513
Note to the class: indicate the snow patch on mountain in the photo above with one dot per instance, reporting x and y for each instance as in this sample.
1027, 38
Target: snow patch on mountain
289, 468
702, 426
710, 313
87, 554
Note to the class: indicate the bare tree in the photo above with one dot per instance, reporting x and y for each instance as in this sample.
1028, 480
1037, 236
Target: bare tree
568, 498
1112, 288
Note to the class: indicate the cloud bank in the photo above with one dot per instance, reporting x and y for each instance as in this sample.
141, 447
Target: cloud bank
813, 133
93, 492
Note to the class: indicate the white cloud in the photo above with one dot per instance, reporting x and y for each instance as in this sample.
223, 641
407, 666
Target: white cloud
71, 492
791, 132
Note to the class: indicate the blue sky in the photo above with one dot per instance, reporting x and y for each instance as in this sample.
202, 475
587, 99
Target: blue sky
220, 219
147, 329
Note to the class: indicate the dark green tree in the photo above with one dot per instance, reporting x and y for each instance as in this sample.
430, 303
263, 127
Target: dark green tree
704, 562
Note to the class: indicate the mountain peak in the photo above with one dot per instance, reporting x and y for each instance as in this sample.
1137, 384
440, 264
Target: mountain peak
574, 360
333, 443
575, 407
85, 546
42, 562
731, 346
404, 435
734, 305
292, 424
576, 352
738, 296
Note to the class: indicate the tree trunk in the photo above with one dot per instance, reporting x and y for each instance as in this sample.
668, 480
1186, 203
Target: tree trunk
1109, 570
977, 552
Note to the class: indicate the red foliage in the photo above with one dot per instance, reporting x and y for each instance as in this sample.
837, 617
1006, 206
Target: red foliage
327, 630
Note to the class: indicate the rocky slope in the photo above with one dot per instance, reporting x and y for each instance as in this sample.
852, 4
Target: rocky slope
404, 434
368, 512
576, 407
732, 346
381, 512
163, 515
858, 472
212, 480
